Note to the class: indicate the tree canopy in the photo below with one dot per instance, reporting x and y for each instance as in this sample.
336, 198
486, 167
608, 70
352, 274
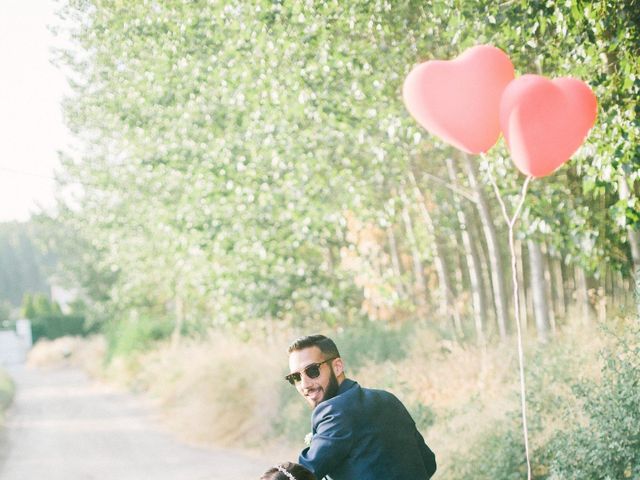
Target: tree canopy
251, 161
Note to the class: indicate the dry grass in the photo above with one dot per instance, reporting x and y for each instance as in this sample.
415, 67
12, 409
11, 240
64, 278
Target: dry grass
222, 391
225, 391
216, 392
86, 353
472, 390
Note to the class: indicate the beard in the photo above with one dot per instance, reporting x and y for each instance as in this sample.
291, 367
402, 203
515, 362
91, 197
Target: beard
332, 388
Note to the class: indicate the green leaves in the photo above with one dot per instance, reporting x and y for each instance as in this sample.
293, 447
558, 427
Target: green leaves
607, 445
223, 143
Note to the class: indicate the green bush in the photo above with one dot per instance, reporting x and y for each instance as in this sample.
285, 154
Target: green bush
373, 342
5, 311
7, 389
607, 444
136, 333
48, 321
600, 434
57, 325
500, 454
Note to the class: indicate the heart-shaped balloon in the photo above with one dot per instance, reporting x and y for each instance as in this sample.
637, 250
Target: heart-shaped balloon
459, 100
545, 121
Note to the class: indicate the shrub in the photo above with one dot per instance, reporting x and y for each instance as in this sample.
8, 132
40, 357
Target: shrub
135, 334
373, 342
48, 321
56, 325
7, 390
498, 454
214, 392
607, 444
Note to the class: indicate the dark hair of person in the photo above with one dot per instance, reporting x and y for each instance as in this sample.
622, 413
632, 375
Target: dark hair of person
298, 471
325, 345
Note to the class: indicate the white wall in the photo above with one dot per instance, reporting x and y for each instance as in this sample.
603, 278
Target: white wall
14, 345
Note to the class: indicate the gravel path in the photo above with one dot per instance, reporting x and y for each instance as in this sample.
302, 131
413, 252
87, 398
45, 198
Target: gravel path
63, 426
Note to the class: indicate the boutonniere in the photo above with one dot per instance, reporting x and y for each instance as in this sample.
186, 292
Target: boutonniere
307, 439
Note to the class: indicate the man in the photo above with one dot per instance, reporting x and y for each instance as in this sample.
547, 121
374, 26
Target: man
358, 433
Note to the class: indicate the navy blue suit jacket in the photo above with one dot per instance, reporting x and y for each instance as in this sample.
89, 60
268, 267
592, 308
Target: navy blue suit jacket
364, 434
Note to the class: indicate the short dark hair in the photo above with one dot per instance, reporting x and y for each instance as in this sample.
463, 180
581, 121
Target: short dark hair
298, 471
325, 345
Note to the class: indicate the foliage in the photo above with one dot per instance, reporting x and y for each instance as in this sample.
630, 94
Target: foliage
5, 312
58, 325
39, 305
135, 334
500, 456
23, 265
7, 391
607, 444
374, 342
591, 431
226, 148
476, 435
48, 321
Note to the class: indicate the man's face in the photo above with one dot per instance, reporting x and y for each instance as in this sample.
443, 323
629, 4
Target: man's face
321, 388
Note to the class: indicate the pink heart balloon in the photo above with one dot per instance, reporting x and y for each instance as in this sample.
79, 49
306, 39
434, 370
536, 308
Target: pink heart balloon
545, 121
458, 100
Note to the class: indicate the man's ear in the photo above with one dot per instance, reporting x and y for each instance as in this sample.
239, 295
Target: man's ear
338, 367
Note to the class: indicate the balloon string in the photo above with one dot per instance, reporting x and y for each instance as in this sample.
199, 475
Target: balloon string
510, 223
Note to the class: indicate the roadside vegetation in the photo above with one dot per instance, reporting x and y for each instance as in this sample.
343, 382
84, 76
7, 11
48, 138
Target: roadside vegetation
7, 390
584, 400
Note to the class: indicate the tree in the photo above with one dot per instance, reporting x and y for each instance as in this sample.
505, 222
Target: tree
224, 145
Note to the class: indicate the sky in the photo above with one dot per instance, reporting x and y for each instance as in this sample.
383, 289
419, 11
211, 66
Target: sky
31, 126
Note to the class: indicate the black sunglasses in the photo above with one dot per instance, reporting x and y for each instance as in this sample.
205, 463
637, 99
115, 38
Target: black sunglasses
311, 371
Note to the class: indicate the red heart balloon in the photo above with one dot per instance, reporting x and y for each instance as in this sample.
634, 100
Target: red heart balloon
545, 121
459, 100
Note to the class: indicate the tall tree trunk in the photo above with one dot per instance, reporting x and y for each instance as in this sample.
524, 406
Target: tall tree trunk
472, 258
330, 257
454, 290
538, 289
623, 292
615, 289
477, 233
176, 335
570, 287
497, 270
582, 296
522, 291
459, 269
558, 287
395, 260
548, 284
420, 288
601, 300
632, 235
446, 295
634, 242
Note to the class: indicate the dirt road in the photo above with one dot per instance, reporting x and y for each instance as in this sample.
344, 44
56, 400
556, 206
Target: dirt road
63, 426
